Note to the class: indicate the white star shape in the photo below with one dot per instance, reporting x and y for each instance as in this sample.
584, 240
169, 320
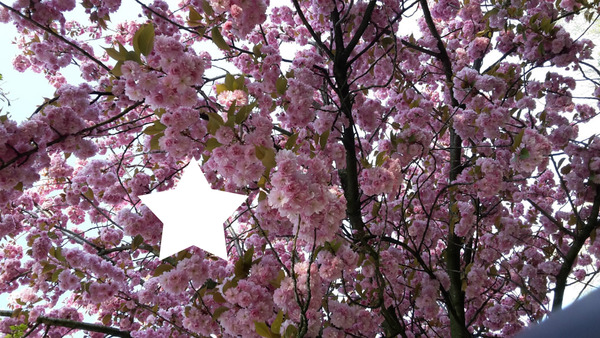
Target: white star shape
193, 214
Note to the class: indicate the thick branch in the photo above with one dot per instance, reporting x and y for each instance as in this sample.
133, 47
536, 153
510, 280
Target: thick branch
361, 29
552, 219
571, 256
72, 324
312, 32
419, 48
455, 243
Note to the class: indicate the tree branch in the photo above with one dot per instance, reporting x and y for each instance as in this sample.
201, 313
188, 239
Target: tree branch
64, 137
571, 256
58, 36
72, 324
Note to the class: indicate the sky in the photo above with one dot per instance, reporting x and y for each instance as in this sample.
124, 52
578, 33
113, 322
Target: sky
24, 90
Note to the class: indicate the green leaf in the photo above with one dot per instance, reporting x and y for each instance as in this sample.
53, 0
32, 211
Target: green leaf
48, 267
210, 284
115, 55
221, 88
380, 159
155, 128
159, 112
106, 319
248, 256
243, 113
211, 144
291, 141
89, 194
54, 277
266, 155
195, 17
517, 141
385, 42
162, 269
276, 282
207, 8
281, 85
323, 139
154, 141
218, 40
262, 196
136, 242
57, 253
276, 326
117, 69
566, 169
376, 208
143, 39
291, 331
230, 284
218, 297
231, 116
217, 313
215, 121
262, 329
229, 80
524, 154
243, 265
133, 56
256, 50
239, 83
18, 186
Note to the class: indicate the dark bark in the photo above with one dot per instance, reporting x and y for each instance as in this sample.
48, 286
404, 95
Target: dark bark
579, 240
72, 324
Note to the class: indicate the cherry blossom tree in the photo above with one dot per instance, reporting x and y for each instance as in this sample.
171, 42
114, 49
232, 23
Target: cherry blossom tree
415, 169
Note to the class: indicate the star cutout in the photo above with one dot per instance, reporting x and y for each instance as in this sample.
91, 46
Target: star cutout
193, 214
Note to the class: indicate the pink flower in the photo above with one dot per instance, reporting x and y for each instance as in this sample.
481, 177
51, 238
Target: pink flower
68, 281
228, 97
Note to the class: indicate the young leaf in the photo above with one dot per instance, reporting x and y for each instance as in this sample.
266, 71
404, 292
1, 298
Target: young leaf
517, 140
243, 113
239, 83
211, 144
266, 155
154, 145
154, 129
217, 313
229, 80
195, 17
220, 88
218, 39
218, 297
262, 329
323, 139
117, 69
276, 326
143, 39
162, 269
136, 242
281, 85
115, 55
291, 141
207, 8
